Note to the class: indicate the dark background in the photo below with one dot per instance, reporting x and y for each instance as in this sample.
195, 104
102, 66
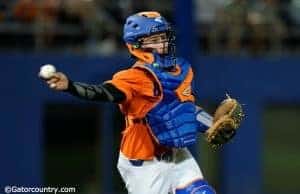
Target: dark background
249, 49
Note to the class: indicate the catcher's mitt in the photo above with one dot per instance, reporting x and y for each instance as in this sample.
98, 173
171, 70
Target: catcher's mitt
227, 119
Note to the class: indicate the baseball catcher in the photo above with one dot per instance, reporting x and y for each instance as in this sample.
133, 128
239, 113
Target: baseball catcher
156, 97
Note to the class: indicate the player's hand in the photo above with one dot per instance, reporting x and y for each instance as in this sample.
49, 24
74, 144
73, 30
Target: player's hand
58, 81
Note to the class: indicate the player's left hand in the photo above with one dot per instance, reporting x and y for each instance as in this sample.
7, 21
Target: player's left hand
227, 119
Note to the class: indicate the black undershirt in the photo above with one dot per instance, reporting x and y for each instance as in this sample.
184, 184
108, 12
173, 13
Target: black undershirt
105, 92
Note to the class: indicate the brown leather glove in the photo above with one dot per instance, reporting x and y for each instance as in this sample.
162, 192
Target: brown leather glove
226, 121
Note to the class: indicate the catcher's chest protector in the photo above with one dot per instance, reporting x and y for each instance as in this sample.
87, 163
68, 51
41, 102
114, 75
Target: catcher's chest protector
172, 120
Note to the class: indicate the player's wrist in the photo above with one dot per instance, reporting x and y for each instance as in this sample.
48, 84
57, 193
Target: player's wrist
70, 86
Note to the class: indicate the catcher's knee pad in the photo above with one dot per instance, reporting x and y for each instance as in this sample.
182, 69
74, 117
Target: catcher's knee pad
197, 187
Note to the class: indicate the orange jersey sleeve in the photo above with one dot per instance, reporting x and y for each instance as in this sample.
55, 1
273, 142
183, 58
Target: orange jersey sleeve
138, 86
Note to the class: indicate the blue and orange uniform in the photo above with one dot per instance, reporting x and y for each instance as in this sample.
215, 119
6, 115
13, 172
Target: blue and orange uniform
155, 96
143, 92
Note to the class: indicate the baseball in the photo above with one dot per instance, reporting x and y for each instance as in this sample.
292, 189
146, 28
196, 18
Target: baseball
47, 71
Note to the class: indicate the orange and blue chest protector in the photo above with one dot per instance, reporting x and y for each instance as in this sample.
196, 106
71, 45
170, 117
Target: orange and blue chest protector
173, 120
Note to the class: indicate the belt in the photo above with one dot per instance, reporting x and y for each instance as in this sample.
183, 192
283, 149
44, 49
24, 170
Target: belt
136, 121
166, 156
